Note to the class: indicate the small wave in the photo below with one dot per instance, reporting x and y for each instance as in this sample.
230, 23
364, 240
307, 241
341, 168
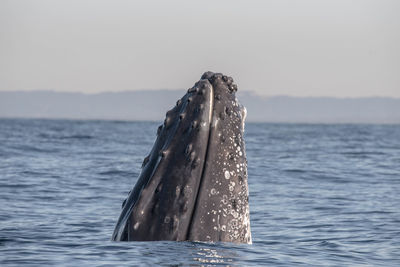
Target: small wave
314, 226
295, 170
340, 198
4, 240
34, 173
78, 136
328, 244
28, 148
57, 136
15, 186
117, 173
362, 153
316, 176
367, 212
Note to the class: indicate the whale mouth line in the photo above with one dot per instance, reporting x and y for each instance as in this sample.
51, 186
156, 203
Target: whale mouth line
210, 120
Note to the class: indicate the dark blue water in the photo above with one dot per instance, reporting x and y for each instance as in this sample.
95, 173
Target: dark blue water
323, 195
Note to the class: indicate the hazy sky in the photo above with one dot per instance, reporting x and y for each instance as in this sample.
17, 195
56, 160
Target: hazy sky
301, 48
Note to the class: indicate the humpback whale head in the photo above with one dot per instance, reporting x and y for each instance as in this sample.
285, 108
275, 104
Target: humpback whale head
193, 184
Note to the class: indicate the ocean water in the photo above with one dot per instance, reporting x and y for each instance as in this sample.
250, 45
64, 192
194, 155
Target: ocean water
320, 195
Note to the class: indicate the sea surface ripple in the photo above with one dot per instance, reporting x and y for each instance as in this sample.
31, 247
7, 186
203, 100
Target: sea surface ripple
320, 195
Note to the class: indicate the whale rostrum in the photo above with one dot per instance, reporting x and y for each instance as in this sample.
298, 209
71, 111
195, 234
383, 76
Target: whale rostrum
193, 184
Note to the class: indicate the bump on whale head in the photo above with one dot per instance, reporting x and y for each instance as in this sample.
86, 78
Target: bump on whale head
193, 184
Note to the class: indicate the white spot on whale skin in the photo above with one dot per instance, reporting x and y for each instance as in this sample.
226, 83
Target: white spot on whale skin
224, 199
227, 175
234, 214
213, 191
136, 226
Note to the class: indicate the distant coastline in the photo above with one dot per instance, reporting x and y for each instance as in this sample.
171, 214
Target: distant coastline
151, 105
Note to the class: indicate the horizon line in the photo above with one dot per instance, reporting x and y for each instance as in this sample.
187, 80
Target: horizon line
251, 92
158, 121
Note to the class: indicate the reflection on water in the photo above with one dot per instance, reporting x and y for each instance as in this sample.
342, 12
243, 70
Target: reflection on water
169, 253
207, 255
215, 255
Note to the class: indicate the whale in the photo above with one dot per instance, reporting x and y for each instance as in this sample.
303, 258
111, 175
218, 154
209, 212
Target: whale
193, 185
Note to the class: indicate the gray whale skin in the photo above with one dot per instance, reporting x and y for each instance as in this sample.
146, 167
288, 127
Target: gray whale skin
193, 184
